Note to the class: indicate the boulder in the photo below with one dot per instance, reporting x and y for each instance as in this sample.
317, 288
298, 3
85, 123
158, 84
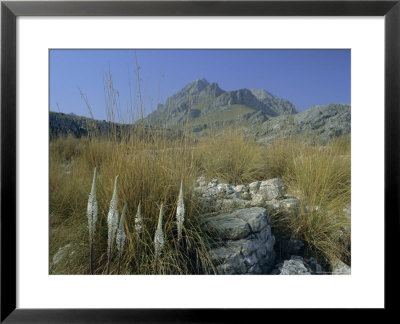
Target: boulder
254, 186
224, 189
213, 183
229, 226
340, 268
272, 189
270, 194
296, 265
247, 242
286, 206
230, 204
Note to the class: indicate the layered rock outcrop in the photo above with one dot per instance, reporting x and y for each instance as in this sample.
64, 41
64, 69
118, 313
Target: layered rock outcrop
240, 216
269, 194
248, 243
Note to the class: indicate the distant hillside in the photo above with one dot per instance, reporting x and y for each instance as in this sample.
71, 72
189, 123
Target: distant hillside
325, 122
61, 124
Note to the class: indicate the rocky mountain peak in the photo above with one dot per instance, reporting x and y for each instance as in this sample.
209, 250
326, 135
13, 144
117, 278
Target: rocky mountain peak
262, 94
278, 105
214, 89
194, 87
207, 103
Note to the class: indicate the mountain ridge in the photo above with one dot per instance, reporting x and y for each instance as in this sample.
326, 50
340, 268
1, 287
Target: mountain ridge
199, 98
201, 105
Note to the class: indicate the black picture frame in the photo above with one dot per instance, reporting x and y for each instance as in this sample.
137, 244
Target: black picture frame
10, 10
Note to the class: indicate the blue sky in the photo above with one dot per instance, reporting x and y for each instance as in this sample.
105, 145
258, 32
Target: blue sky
304, 77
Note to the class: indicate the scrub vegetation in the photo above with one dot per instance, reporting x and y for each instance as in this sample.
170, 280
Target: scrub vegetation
150, 170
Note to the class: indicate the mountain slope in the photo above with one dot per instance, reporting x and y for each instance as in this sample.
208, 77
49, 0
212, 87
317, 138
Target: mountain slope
325, 122
280, 106
202, 103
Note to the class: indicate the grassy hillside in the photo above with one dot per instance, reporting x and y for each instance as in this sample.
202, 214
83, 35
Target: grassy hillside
229, 113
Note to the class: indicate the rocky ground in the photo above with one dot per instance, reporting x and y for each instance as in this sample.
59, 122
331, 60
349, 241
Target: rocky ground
240, 216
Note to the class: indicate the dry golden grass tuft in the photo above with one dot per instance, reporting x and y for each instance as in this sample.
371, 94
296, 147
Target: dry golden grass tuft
320, 175
229, 156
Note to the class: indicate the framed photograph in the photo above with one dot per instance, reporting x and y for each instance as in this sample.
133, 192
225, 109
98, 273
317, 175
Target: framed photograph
163, 159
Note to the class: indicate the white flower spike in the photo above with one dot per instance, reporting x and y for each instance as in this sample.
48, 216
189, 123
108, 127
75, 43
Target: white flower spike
92, 208
180, 212
92, 216
112, 221
138, 220
159, 235
121, 236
